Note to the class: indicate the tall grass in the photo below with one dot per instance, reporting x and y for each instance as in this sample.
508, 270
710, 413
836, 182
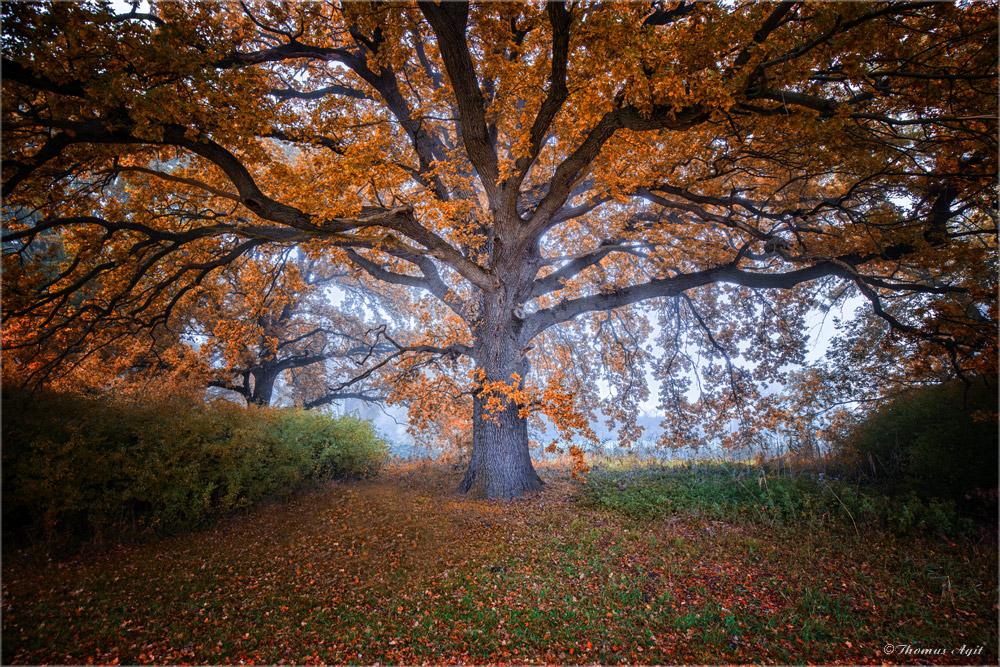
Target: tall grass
748, 493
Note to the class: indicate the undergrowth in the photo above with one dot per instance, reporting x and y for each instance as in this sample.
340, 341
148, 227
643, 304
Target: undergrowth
748, 493
939, 441
76, 469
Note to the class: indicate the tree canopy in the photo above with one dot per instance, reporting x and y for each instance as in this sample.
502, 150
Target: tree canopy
571, 196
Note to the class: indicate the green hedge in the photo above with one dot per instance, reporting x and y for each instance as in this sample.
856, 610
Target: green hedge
930, 442
76, 468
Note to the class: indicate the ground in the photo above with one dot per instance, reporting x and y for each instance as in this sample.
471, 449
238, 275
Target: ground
400, 570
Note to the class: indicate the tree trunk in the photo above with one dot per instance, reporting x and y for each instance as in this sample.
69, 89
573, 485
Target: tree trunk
500, 463
263, 387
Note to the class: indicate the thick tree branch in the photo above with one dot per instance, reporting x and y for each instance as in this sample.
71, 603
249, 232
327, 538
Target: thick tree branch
15, 71
206, 231
332, 397
448, 20
555, 280
399, 218
431, 280
571, 170
193, 182
319, 93
380, 273
841, 267
661, 16
560, 19
427, 146
291, 50
774, 20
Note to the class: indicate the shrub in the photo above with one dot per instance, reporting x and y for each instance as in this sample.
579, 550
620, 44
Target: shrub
930, 442
75, 468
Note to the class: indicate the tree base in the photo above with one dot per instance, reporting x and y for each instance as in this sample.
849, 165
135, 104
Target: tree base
500, 484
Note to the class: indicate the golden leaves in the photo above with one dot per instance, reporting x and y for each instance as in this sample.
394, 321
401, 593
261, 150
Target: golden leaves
810, 141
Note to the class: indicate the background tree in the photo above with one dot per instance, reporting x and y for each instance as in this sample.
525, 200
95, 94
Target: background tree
275, 317
563, 183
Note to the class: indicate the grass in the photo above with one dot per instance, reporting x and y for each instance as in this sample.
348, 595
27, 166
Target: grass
749, 493
398, 570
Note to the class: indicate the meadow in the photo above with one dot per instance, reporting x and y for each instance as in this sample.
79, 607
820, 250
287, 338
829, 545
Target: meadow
634, 563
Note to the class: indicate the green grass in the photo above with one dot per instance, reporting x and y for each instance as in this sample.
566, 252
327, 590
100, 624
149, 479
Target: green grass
747, 493
397, 570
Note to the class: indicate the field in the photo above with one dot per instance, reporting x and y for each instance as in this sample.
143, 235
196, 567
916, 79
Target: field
397, 569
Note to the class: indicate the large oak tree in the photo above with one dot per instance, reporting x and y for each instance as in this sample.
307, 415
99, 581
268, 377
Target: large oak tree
561, 181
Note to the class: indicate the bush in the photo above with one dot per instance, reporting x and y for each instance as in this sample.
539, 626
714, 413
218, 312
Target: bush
75, 468
929, 442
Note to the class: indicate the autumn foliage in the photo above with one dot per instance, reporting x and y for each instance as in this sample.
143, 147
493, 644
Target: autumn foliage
563, 201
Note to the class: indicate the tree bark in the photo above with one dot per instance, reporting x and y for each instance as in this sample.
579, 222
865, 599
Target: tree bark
500, 463
263, 388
